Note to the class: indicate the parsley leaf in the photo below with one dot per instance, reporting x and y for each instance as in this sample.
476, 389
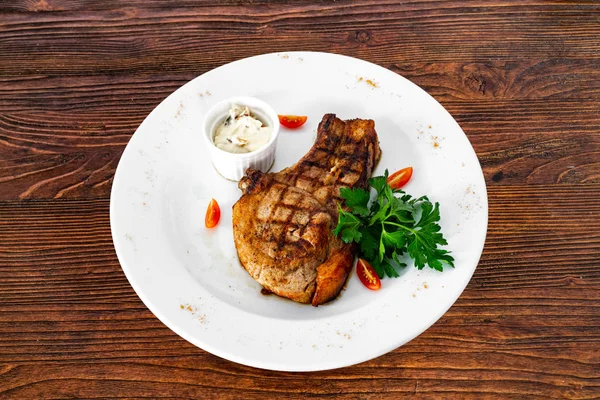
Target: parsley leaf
369, 243
391, 225
356, 200
379, 182
348, 225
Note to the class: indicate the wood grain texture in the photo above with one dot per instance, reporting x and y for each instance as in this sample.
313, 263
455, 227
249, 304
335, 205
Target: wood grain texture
522, 79
135, 38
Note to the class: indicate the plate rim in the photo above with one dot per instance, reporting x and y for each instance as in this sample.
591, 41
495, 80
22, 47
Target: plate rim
289, 367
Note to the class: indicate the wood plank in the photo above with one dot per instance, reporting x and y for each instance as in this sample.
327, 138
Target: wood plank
506, 79
134, 40
552, 79
68, 315
100, 5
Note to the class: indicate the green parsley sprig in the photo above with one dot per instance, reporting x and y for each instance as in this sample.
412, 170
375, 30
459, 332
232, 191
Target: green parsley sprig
390, 225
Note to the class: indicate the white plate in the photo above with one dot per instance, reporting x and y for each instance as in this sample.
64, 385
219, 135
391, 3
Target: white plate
190, 277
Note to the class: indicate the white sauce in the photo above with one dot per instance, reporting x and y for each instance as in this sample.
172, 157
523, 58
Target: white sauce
241, 132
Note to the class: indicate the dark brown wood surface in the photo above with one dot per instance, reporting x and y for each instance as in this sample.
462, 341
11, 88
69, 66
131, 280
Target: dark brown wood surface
521, 77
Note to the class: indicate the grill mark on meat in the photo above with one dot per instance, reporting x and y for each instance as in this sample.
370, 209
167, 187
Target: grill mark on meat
283, 237
269, 226
310, 224
362, 177
284, 227
316, 164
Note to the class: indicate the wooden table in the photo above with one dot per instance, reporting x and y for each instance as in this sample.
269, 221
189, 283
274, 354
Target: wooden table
522, 79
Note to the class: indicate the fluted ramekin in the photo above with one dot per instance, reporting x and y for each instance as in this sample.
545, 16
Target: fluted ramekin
233, 166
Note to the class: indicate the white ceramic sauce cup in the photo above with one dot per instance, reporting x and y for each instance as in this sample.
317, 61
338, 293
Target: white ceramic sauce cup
233, 166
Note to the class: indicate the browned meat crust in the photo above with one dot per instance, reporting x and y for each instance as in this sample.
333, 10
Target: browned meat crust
283, 223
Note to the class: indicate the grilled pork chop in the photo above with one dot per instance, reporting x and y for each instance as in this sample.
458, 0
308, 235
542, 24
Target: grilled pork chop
283, 223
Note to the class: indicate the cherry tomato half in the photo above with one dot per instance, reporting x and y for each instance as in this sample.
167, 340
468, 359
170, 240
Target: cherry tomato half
400, 178
213, 214
367, 275
292, 121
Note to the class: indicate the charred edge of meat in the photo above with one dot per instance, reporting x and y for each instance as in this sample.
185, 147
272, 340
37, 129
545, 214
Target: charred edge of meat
250, 182
325, 122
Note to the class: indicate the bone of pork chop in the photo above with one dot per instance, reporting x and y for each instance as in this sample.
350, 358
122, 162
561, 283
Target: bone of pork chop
283, 223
